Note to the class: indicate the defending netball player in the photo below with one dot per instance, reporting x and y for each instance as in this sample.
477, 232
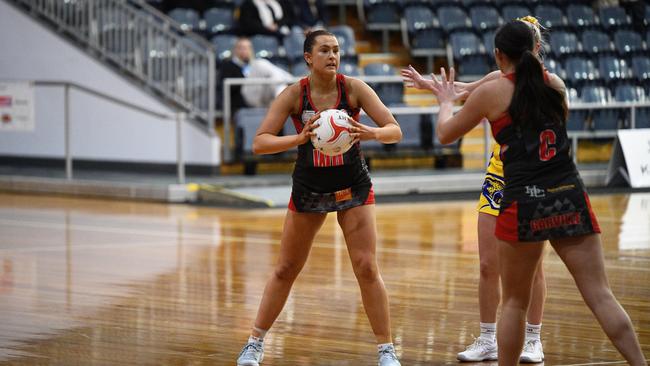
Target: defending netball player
485, 346
323, 184
544, 197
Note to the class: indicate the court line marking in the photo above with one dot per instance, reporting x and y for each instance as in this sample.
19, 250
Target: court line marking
253, 240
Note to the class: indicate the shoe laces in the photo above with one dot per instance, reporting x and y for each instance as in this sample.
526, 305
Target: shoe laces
388, 352
529, 346
478, 344
251, 349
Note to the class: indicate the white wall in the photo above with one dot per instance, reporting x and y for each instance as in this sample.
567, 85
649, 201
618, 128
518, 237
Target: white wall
101, 130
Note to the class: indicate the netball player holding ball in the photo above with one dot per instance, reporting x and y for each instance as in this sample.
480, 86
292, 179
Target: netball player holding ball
544, 197
322, 184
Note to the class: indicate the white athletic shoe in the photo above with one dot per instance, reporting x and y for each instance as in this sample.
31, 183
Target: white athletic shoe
480, 350
252, 354
387, 357
533, 352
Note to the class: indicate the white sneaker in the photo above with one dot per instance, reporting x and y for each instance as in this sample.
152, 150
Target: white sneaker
252, 354
387, 357
480, 350
533, 352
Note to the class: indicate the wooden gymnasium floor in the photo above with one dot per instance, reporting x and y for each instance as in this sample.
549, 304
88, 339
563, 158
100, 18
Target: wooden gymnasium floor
99, 282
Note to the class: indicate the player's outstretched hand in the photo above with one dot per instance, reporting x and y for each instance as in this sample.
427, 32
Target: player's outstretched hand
444, 89
413, 79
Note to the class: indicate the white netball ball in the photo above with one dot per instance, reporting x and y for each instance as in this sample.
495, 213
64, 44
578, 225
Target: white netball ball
332, 136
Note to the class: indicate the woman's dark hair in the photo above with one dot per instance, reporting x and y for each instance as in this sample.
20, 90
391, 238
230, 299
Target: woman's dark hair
533, 102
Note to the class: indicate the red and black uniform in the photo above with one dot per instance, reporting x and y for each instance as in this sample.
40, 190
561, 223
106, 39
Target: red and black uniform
544, 197
324, 183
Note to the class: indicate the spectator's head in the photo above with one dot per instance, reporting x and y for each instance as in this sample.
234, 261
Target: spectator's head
243, 49
321, 50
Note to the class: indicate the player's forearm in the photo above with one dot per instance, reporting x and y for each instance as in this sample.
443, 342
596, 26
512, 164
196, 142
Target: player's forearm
270, 144
442, 128
389, 134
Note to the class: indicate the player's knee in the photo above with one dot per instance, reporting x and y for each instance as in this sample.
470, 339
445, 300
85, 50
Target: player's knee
287, 271
365, 269
489, 269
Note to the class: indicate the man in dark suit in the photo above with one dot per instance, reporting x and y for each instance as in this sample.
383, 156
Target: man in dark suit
237, 66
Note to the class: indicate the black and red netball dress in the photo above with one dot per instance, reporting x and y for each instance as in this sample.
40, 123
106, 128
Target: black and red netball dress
324, 183
544, 197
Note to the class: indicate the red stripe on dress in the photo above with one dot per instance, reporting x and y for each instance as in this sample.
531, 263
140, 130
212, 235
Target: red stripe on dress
507, 223
594, 222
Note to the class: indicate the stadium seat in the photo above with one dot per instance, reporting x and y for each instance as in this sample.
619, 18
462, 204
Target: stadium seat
613, 17
223, 44
389, 93
381, 11
465, 43
410, 125
580, 16
484, 17
563, 43
349, 68
554, 67
488, 42
188, 19
452, 18
293, 46
595, 41
421, 30
549, 16
347, 42
627, 42
247, 120
641, 67
114, 30
602, 119
577, 117
612, 68
438, 147
511, 12
218, 20
474, 66
631, 93
300, 68
265, 46
579, 69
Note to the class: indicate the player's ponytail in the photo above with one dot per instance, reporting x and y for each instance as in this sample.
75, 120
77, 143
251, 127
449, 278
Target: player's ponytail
534, 103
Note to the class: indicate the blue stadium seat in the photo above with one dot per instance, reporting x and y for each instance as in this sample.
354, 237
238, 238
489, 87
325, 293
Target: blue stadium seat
265, 46
421, 29
345, 36
632, 93
452, 18
511, 12
612, 68
218, 20
465, 43
293, 46
595, 41
641, 67
627, 42
349, 68
299, 68
488, 42
563, 43
554, 67
580, 16
381, 11
438, 147
602, 119
579, 69
389, 93
484, 17
247, 121
410, 125
474, 66
188, 19
223, 44
577, 117
613, 17
549, 16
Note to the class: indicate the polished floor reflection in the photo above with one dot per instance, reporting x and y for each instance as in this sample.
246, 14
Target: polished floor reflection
99, 282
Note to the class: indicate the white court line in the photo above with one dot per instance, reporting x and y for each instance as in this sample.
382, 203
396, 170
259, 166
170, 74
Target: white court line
251, 240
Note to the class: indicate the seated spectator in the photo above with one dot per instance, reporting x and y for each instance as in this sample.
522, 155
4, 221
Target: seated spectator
265, 17
310, 14
237, 66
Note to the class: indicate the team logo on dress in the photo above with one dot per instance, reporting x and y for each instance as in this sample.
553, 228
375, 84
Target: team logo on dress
493, 192
535, 192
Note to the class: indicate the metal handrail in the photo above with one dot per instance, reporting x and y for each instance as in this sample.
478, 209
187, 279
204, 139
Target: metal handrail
227, 113
179, 117
144, 43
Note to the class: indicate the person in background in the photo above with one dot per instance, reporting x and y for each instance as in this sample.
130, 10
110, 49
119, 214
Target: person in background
270, 17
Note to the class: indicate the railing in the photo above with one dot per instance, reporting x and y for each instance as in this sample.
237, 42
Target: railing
574, 135
179, 117
143, 42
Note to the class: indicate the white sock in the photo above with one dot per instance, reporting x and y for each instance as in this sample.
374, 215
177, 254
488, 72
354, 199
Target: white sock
488, 331
384, 346
533, 331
